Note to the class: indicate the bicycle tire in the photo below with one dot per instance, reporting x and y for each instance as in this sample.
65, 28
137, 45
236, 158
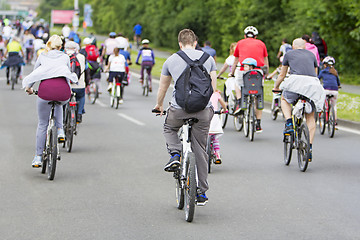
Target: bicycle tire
13, 73
93, 93
246, 122
190, 188
117, 102
252, 121
331, 121
71, 122
322, 122
179, 191
303, 147
223, 118
239, 122
52, 157
288, 147
274, 114
44, 162
208, 151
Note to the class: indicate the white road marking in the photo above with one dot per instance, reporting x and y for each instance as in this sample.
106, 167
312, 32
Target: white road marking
345, 129
100, 103
131, 119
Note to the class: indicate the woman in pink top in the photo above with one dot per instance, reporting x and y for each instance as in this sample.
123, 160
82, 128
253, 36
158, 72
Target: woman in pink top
311, 47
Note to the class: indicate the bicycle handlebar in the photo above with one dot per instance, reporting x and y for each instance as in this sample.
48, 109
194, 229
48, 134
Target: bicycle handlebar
277, 91
157, 112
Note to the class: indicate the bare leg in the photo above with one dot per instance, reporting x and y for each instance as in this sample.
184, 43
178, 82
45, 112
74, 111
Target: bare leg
286, 108
310, 122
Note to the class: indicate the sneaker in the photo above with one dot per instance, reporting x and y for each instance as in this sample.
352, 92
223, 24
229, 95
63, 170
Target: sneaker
79, 118
289, 129
7, 82
201, 199
258, 128
218, 158
36, 163
141, 81
237, 107
150, 89
173, 163
61, 135
121, 101
109, 88
310, 155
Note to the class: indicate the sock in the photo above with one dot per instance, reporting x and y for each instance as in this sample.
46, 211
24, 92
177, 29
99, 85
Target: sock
289, 121
310, 146
258, 121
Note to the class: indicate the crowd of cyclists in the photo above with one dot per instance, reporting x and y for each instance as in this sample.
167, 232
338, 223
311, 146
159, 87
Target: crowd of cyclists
67, 64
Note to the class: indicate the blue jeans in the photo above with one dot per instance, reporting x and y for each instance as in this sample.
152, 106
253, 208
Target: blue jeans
80, 97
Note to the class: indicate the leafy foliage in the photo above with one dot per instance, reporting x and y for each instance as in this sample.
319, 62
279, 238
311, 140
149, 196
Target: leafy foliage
222, 22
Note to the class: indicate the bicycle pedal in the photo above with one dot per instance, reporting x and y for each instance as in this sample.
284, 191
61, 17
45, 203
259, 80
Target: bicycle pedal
36, 166
61, 140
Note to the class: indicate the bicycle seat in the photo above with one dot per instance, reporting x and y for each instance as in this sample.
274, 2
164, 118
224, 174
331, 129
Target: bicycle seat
54, 103
191, 121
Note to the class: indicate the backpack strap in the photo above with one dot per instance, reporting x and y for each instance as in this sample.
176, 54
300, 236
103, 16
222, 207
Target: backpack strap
190, 62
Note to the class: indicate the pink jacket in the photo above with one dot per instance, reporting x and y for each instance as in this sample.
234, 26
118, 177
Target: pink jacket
312, 48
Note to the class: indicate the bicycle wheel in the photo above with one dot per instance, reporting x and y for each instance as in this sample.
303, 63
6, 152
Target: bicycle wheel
117, 100
13, 73
303, 147
288, 147
52, 156
246, 122
322, 122
239, 122
208, 151
331, 122
252, 120
93, 93
44, 162
179, 191
223, 119
190, 188
70, 129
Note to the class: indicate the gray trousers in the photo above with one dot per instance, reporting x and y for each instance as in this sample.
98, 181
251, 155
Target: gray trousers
199, 135
44, 109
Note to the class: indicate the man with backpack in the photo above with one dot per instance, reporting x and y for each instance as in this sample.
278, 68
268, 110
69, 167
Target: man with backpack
194, 75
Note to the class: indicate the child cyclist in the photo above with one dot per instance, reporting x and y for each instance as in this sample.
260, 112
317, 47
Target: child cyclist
215, 125
330, 80
116, 67
148, 60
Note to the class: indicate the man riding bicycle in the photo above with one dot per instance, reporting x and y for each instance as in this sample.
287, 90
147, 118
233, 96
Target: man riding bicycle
249, 47
173, 67
14, 59
302, 81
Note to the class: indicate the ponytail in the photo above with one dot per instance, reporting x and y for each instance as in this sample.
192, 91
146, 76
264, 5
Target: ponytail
54, 42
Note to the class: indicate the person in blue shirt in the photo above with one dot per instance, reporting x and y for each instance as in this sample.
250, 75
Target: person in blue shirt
331, 81
137, 36
148, 61
209, 50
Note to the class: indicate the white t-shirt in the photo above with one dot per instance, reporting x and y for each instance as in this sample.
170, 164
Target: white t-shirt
7, 31
66, 31
117, 63
285, 48
110, 45
122, 43
38, 43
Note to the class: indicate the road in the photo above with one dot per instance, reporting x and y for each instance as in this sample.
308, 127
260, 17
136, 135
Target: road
112, 186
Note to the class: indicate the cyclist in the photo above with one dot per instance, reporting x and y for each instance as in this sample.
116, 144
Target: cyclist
148, 59
209, 50
109, 45
13, 50
137, 36
28, 43
116, 68
249, 47
229, 60
311, 47
122, 42
173, 68
331, 81
71, 49
284, 48
302, 81
52, 70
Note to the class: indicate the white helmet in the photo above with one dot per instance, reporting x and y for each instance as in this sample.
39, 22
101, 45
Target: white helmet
145, 41
87, 41
329, 60
251, 31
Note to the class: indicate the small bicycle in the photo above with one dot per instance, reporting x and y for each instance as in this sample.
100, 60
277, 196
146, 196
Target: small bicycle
300, 138
210, 148
327, 117
186, 175
116, 92
93, 91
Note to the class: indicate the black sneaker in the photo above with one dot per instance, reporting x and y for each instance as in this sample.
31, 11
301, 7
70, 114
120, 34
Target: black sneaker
201, 199
173, 163
238, 110
258, 128
79, 118
310, 155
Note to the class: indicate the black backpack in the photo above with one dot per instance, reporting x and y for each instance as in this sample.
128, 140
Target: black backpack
193, 88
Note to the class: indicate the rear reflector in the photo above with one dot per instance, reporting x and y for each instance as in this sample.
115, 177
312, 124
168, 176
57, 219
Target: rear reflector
72, 104
253, 92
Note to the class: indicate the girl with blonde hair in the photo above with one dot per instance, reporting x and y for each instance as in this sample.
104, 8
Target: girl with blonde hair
52, 70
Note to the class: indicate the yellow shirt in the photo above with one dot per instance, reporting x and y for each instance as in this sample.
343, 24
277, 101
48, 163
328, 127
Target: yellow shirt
14, 46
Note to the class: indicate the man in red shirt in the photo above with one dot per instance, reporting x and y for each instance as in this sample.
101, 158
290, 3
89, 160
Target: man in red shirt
249, 47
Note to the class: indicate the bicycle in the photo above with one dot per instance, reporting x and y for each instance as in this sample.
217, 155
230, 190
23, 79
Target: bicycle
146, 84
186, 175
229, 97
275, 105
327, 117
93, 91
51, 153
70, 122
300, 138
210, 148
14, 75
251, 92
116, 92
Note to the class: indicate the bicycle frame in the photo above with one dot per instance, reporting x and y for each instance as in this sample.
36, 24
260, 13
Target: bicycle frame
186, 142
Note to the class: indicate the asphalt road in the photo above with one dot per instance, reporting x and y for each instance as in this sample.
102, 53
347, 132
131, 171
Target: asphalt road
112, 186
